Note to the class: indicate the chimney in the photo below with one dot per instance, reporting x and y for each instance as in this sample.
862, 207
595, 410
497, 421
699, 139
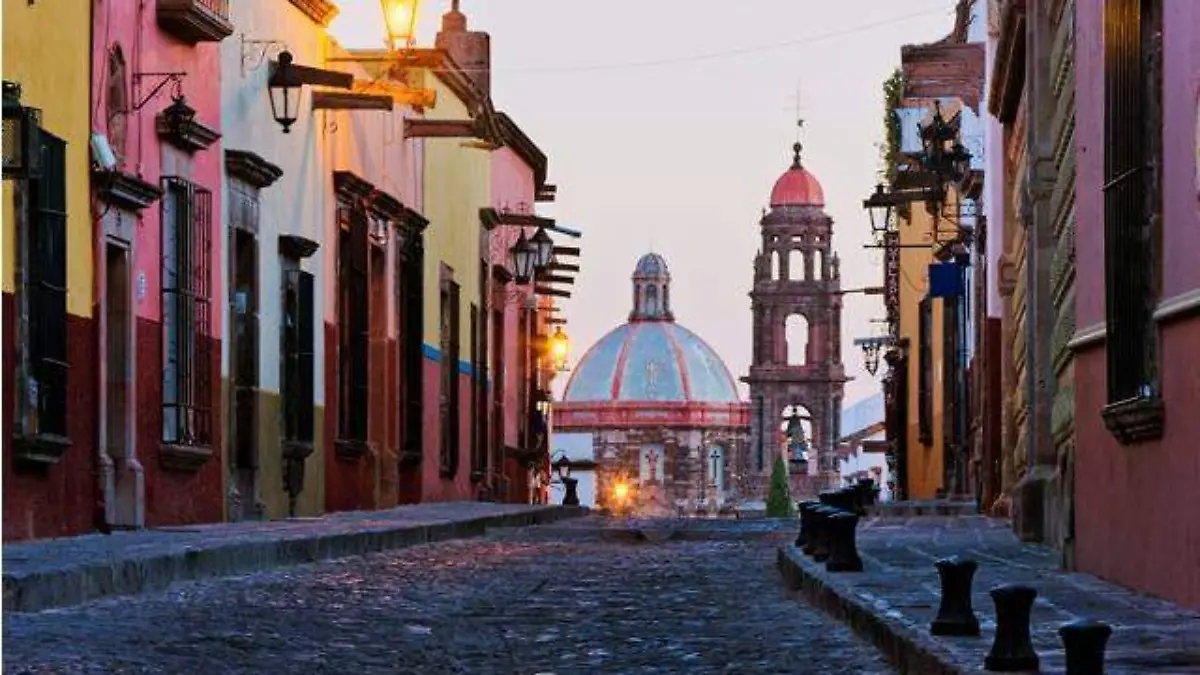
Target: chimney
471, 50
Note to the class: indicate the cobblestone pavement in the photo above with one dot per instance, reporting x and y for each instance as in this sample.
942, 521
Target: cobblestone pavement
901, 587
506, 603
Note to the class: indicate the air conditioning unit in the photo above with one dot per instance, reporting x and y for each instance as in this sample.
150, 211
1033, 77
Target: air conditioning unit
103, 153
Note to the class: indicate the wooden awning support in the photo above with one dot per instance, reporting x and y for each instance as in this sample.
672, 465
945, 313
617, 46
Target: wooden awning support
336, 100
546, 290
567, 250
406, 96
562, 267
552, 279
417, 128
319, 77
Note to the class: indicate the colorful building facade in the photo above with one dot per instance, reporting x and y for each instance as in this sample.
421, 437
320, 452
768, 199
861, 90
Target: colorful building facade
1138, 292
52, 452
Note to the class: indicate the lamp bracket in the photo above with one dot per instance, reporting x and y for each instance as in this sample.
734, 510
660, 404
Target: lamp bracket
257, 52
173, 78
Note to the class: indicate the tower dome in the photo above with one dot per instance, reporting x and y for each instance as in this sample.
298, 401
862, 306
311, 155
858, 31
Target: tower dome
651, 358
797, 187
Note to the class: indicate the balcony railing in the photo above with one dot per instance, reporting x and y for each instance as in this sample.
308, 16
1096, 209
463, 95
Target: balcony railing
195, 20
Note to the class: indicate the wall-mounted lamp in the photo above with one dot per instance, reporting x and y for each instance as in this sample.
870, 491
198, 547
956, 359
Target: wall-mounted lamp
400, 17
22, 142
284, 89
524, 259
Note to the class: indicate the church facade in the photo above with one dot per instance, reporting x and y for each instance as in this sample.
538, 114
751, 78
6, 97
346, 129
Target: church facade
669, 431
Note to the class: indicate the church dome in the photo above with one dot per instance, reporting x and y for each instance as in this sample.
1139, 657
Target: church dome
797, 187
651, 358
653, 361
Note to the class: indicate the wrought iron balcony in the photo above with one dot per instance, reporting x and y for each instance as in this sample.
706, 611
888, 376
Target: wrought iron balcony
195, 20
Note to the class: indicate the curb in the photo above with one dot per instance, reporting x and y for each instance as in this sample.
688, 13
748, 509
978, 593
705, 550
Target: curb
909, 650
69, 586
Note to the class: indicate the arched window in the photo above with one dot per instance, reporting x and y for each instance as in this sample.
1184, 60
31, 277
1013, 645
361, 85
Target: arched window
775, 267
117, 101
818, 265
796, 330
796, 265
652, 300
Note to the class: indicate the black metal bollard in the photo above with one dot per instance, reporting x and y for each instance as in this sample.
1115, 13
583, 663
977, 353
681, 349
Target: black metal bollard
870, 493
1084, 642
1013, 649
955, 615
571, 498
805, 523
821, 516
843, 549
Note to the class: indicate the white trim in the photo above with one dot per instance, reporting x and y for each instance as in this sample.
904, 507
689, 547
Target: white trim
1177, 306
1088, 337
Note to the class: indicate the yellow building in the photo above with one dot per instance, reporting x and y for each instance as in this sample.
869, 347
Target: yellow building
46, 271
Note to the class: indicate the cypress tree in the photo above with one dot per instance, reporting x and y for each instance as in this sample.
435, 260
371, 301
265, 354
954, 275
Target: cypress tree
779, 499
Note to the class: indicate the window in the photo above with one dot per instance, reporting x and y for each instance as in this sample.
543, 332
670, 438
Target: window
925, 373
410, 312
1132, 198
449, 390
477, 405
353, 327
298, 356
187, 312
45, 293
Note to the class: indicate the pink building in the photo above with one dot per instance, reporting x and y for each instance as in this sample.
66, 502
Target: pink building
1137, 520
156, 100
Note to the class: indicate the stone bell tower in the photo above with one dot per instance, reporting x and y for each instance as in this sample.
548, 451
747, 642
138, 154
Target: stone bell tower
797, 307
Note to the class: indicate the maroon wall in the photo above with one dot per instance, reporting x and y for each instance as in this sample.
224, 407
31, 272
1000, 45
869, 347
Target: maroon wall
63, 499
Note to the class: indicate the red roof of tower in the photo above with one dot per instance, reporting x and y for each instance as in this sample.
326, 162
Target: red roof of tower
797, 187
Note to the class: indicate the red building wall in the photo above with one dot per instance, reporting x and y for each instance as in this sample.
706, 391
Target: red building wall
63, 499
1137, 518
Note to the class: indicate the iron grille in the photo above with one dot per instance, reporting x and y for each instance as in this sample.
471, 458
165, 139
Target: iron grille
449, 388
298, 355
187, 312
410, 309
48, 288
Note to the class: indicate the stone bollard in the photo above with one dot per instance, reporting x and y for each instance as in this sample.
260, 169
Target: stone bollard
571, 498
821, 516
955, 615
870, 493
1084, 642
843, 549
805, 523
1013, 649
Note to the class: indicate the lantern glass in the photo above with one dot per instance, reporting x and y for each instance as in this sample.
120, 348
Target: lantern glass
559, 349
879, 208
523, 259
543, 246
400, 16
178, 115
283, 87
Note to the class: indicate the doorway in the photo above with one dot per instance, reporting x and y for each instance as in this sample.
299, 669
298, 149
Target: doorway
244, 464
124, 486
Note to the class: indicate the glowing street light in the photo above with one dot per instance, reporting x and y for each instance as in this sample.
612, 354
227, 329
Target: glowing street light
560, 346
401, 19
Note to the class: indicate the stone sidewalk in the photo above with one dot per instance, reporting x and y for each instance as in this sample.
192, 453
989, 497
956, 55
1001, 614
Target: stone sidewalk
61, 572
894, 600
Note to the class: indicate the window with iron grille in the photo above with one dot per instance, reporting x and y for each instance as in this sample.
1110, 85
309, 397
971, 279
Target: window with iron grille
353, 324
46, 289
410, 312
450, 342
1132, 195
925, 373
187, 312
298, 355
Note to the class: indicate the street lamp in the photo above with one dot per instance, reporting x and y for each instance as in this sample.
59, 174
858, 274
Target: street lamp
178, 116
562, 466
871, 348
543, 245
401, 19
284, 89
524, 257
559, 348
879, 207
22, 151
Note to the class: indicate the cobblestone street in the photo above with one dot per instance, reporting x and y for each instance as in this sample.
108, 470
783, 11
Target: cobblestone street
552, 599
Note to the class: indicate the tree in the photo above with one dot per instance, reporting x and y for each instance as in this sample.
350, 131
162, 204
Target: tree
779, 500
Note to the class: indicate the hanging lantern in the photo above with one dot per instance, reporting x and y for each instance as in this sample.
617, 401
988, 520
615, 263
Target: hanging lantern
178, 116
400, 17
284, 89
544, 247
560, 347
879, 207
22, 125
523, 259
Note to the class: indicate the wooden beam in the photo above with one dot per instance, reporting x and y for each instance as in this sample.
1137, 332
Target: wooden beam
555, 321
323, 78
562, 267
336, 100
407, 96
552, 279
544, 290
441, 129
567, 250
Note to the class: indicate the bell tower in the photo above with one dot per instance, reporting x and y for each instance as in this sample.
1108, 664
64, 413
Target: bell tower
796, 302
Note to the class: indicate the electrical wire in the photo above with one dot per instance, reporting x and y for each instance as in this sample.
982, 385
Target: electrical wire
742, 51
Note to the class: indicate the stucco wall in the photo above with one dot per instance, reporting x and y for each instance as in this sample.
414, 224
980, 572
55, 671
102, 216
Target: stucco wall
1132, 516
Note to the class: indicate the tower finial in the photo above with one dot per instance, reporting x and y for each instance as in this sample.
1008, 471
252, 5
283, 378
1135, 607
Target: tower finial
798, 146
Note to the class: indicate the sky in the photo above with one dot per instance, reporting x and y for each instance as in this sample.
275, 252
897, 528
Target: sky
667, 122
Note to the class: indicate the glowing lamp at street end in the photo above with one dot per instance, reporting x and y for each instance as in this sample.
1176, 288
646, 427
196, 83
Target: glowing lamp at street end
621, 491
400, 16
560, 347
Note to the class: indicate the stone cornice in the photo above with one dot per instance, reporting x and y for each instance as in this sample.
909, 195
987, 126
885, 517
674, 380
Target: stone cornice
320, 11
251, 168
1008, 70
350, 187
126, 190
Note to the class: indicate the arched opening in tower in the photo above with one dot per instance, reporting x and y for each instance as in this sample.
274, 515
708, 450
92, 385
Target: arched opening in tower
775, 266
796, 270
818, 265
796, 334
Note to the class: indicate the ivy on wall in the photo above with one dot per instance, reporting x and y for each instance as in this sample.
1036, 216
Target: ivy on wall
890, 150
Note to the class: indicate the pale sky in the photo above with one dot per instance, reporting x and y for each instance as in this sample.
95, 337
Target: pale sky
667, 122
